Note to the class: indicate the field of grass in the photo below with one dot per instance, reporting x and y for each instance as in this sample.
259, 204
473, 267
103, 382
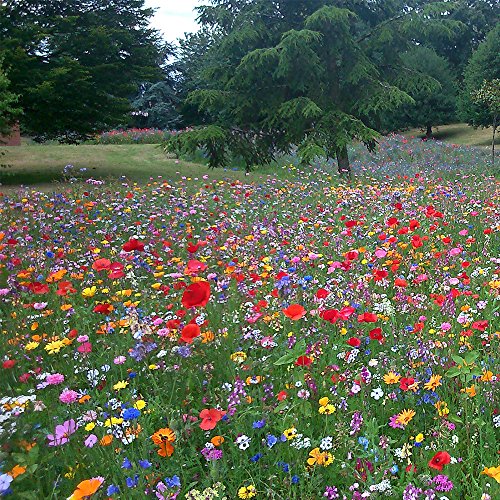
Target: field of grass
41, 164
458, 133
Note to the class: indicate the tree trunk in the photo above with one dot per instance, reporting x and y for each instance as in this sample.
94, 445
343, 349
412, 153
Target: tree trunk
428, 134
344, 167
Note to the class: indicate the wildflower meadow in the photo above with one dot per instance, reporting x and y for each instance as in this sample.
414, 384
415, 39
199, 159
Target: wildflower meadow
291, 337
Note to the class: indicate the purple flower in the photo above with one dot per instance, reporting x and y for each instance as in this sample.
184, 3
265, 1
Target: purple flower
62, 433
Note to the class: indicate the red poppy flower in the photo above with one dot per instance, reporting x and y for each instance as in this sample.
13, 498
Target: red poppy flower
480, 325
101, 264
354, 342
196, 295
376, 334
38, 288
9, 363
133, 244
330, 315
439, 460
294, 312
303, 361
116, 270
346, 312
210, 418
322, 293
195, 266
189, 333
405, 383
367, 318
282, 395
400, 282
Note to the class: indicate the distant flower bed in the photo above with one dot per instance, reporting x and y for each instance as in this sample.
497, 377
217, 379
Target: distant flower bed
134, 136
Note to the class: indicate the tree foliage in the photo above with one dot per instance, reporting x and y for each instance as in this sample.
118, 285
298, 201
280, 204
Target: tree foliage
428, 79
483, 65
8, 104
316, 74
76, 63
156, 106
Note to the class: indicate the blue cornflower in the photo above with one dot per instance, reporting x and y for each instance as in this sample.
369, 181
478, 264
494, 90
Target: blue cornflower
258, 424
130, 414
132, 482
271, 440
295, 479
145, 464
173, 481
394, 469
126, 464
112, 489
256, 457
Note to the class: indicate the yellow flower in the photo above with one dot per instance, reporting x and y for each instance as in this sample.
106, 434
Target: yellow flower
327, 409
140, 404
54, 347
247, 492
419, 438
324, 401
290, 433
113, 421
434, 382
89, 292
90, 426
493, 472
238, 356
31, 345
317, 457
392, 378
442, 408
120, 385
405, 417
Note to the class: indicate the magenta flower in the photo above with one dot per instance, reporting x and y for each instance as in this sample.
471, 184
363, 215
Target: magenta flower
55, 379
68, 396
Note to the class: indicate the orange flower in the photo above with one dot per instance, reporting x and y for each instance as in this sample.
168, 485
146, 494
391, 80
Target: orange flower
163, 436
294, 312
217, 440
166, 449
106, 440
16, 471
87, 488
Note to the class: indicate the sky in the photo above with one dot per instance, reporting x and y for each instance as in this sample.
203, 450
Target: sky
174, 17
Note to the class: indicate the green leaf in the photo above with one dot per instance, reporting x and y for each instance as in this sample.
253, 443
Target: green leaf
453, 372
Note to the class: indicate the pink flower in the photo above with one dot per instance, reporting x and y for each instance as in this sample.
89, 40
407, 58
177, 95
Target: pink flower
84, 348
54, 379
82, 338
68, 396
119, 360
91, 441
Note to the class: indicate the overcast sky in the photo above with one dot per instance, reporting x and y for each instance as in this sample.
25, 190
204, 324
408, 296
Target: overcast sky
174, 17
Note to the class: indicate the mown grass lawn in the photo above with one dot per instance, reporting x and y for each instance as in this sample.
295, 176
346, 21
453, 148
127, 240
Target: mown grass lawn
42, 164
458, 133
